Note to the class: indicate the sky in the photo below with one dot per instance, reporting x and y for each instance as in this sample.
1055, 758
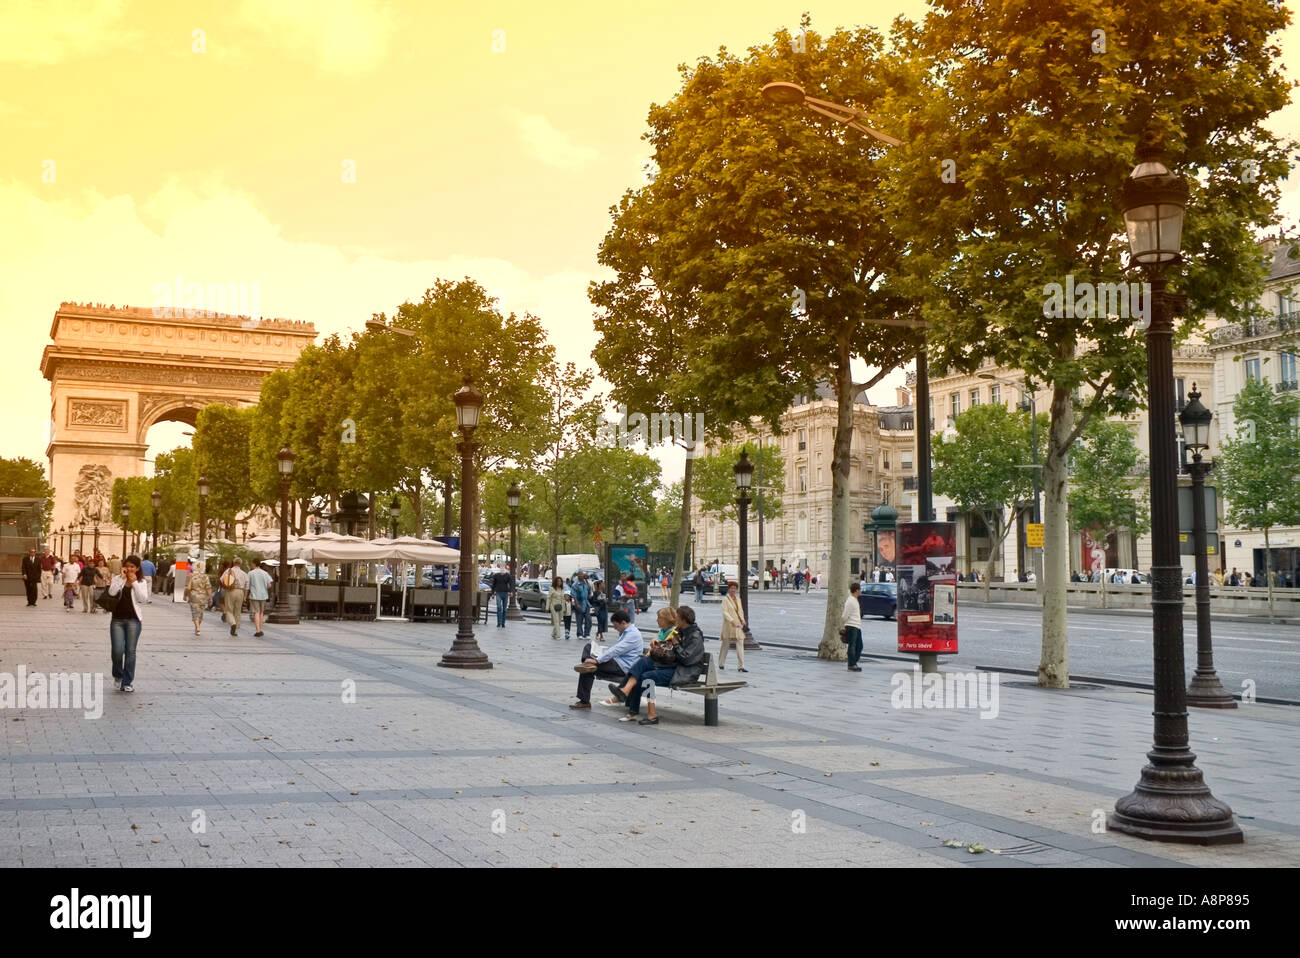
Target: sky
340, 154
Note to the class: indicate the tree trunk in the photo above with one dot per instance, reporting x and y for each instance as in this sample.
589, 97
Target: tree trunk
831, 646
1054, 667
683, 530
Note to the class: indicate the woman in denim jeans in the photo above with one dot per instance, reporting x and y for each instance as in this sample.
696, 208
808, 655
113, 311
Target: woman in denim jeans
124, 626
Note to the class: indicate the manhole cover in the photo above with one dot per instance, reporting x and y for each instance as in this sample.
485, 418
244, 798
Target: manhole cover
1074, 687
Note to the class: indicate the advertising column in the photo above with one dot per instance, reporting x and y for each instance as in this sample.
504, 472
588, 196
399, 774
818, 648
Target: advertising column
926, 573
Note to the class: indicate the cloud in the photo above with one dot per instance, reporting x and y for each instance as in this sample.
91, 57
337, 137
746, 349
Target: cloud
550, 145
340, 36
38, 32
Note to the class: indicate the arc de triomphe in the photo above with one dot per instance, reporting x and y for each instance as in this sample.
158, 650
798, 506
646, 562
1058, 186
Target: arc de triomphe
114, 372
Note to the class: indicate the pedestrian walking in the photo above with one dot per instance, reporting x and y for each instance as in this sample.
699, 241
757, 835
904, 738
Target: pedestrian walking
555, 602
698, 582
568, 612
259, 592
234, 583
581, 592
198, 593
49, 562
31, 575
600, 608
501, 585
148, 570
798, 580
86, 587
851, 626
124, 623
733, 627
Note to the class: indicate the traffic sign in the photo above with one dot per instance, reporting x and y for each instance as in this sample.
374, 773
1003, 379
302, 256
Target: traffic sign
1034, 535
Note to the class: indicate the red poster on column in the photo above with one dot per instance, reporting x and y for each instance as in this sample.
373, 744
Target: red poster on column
927, 587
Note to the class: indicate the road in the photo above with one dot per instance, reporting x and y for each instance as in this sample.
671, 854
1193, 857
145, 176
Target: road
1106, 645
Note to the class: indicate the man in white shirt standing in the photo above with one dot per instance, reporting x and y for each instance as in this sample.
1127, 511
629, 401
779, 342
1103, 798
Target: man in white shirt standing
259, 591
235, 583
851, 620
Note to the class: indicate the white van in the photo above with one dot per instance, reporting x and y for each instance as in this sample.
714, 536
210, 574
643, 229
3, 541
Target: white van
567, 565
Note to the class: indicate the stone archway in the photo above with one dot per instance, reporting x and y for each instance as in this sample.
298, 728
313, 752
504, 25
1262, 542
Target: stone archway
115, 372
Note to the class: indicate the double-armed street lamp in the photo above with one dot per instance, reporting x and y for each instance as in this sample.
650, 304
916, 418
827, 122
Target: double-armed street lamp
1205, 690
1171, 801
204, 489
744, 472
282, 614
464, 652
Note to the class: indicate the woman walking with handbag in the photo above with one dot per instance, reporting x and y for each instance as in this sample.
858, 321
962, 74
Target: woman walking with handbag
198, 592
733, 626
127, 593
555, 605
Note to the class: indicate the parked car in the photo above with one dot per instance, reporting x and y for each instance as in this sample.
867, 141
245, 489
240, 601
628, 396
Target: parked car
532, 593
688, 583
879, 598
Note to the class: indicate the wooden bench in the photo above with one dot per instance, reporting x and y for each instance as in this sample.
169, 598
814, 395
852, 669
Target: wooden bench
709, 687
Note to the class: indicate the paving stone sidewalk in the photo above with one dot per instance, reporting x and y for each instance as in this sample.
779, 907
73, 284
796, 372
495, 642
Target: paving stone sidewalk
256, 740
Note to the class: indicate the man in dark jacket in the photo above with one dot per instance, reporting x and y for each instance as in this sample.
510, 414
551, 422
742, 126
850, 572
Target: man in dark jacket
31, 574
501, 585
679, 664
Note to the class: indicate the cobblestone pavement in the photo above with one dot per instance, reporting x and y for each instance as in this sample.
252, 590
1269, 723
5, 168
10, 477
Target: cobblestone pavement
254, 740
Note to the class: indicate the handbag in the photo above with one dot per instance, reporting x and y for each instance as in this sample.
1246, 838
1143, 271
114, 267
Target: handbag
108, 602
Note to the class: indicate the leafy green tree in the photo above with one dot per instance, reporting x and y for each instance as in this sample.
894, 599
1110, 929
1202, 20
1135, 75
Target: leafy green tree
570, 434
1107, 482
981, 467
616, 489
221, 451
177, 479
22, 478
663, 528
1018, 133
763, 213
715, 483
1259, 466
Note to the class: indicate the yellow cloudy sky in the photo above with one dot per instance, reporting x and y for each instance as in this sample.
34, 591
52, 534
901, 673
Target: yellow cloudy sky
209, 140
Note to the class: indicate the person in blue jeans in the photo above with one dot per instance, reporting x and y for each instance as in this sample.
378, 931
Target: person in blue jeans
682, 661
124, 625
581, 593
501, 583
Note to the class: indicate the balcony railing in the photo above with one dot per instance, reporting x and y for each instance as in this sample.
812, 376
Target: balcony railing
1257, 328
909, 483
1287, 385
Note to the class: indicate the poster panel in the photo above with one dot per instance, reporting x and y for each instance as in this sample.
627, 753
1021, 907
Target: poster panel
926, 573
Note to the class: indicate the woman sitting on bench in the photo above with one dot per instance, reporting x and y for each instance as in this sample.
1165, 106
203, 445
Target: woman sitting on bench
680, 660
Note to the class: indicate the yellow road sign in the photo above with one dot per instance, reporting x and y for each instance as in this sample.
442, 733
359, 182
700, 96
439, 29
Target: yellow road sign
1034, 535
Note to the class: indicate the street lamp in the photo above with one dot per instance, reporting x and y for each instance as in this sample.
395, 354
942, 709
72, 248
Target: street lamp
282, 614
58, 541
126, 514
394, 510
512, 500
744, 472
464, 652
204, 489
96, 550
155, 499
1205, 691
1171, 801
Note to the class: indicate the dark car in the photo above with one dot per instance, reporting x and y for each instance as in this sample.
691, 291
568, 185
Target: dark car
688, 582
879, 598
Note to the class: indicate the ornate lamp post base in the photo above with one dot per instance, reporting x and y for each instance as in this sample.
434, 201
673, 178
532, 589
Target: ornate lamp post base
751, 643
1207, 692
1172, 803
282, 618
465, 654
513, 612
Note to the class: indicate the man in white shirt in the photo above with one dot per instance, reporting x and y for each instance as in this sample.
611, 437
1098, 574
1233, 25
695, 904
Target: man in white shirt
259, 591
851, 620
235, 583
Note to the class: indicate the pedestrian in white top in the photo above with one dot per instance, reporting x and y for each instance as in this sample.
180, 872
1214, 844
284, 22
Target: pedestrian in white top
733, 627
851, 620
259, 591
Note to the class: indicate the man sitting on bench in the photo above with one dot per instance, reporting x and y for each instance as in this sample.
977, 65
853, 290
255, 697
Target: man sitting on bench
680, 662
614, 663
